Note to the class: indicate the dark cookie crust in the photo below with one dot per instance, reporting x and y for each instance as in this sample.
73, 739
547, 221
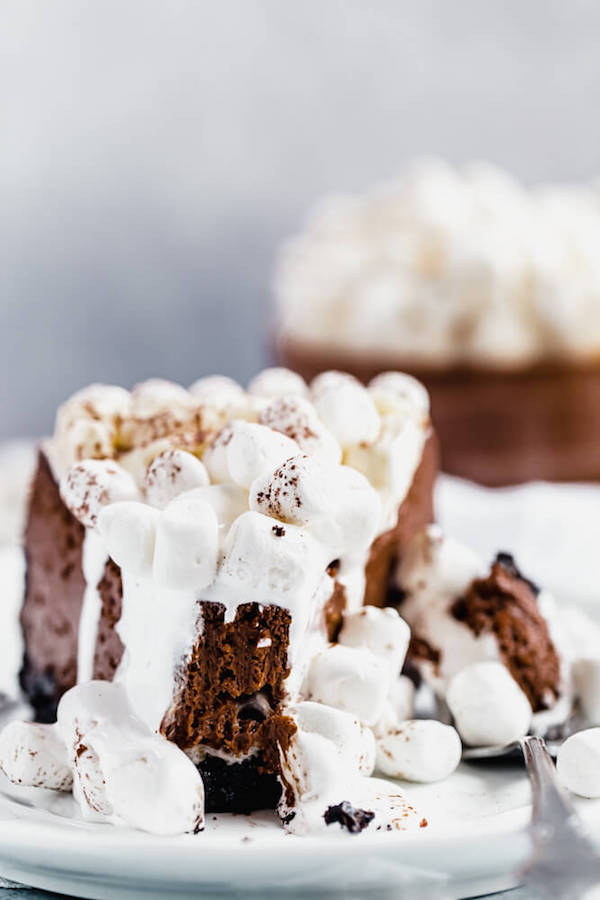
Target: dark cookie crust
352, 819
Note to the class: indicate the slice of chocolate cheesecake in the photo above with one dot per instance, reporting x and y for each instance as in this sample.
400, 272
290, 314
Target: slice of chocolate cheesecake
201, 546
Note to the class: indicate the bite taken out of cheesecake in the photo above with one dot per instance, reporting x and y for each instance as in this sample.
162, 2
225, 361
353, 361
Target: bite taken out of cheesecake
192, 558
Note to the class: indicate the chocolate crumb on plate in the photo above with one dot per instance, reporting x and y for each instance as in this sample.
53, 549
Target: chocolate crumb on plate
355, 820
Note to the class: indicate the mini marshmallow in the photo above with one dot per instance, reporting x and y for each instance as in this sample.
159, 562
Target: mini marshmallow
399, 706
122, 770
311, 764
90, 485
297, 419
171, 473
354, 742
186, 547
578, 763
88, 439
228, 501
390, 463
346, 408
336, 503
254, 450
219, 391
349, 678
488, 706
35, 756
269, 562
419, 750
99, 402
380, 630
156, 395
215, 455
277, 382
395, 392
586, 681
129, 532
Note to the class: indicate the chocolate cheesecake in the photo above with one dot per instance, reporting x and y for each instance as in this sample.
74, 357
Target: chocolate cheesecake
199, 547
485, 291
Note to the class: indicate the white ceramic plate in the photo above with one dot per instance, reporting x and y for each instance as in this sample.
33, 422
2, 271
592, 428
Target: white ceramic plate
474, 843
475, 840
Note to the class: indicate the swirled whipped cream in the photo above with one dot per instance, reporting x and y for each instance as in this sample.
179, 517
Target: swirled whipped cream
232, 496
446, 266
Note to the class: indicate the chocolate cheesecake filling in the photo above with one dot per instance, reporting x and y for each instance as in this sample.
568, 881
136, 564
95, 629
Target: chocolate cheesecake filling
109, 647
505, 603
54, 588
231, 690
414, 514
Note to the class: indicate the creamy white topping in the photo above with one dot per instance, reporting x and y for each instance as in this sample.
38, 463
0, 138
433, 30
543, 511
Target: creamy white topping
445, 266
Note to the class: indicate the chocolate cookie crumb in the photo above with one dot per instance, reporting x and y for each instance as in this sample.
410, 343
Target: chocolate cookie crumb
507, 560
423, 823
278, 530
355, 820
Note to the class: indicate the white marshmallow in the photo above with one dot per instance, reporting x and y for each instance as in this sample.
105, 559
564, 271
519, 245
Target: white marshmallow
419, 750
124, 771
228, 501
277, 382
586, 681
254, 450
311, 764
349, 678
269, 562
87, 439
129, 532
578, 763
171, 473
488, 706
35, 756
390, 463
99, 402
380, 630
346, 408
187, 543
399, 706
215, 455
395, 392
297, 419
90, 485
156, 395
354, 743
218, 391
336, 503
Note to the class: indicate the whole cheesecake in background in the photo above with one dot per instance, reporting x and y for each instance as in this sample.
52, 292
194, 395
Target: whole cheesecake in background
487, 292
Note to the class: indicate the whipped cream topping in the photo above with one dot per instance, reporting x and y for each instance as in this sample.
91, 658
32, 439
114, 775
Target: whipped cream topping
444, 266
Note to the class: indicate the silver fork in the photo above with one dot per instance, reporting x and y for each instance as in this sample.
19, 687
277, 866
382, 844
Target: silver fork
565, 863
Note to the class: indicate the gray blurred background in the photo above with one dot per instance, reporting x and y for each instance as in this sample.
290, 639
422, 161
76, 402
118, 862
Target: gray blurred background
154, 153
